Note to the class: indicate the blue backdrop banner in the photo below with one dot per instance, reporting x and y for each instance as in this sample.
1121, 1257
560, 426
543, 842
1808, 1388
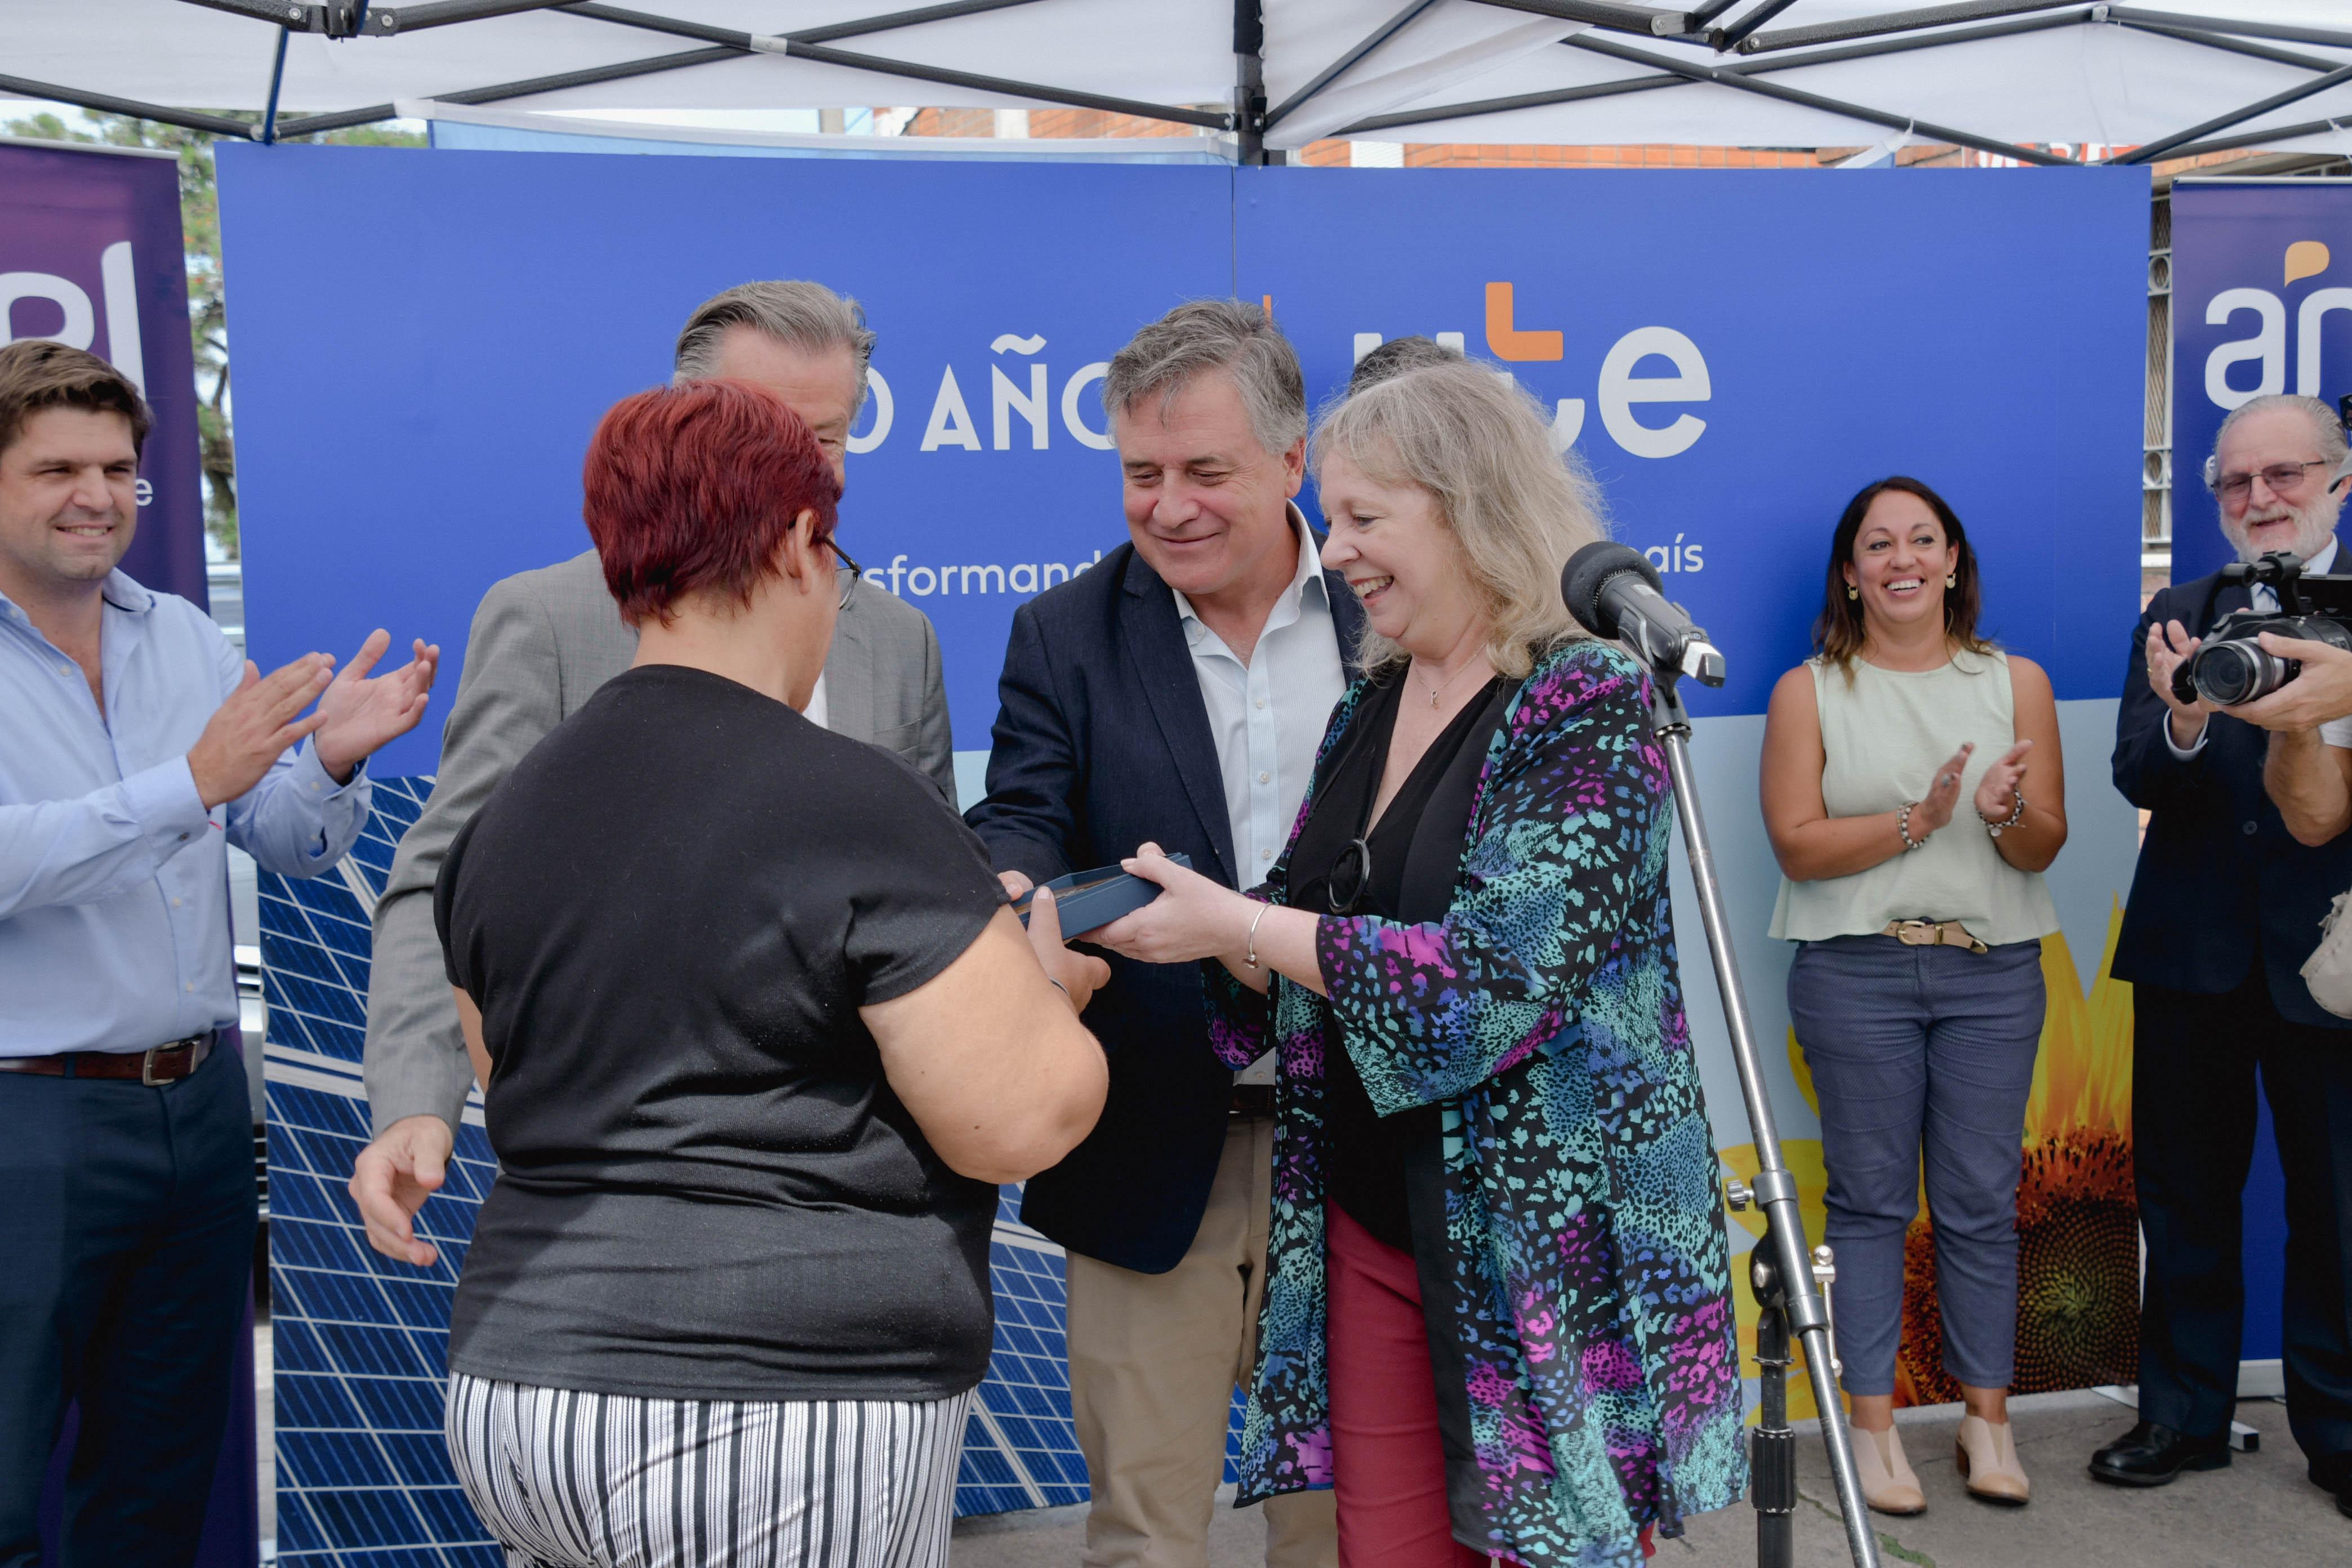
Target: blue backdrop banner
426, 341
413, 415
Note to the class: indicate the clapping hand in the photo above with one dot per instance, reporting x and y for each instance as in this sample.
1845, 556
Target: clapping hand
357, 714
247, 733
1997, 791
1936, 808
2169, 646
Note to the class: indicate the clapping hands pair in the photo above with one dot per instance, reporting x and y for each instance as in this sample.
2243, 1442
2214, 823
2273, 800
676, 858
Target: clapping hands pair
1996, 796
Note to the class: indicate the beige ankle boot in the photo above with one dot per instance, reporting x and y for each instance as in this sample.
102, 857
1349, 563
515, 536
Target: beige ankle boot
1887, 1484
1987, 1462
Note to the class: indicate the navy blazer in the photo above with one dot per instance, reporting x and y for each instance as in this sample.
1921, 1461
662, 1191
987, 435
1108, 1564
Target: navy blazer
1102, 743
2220, 880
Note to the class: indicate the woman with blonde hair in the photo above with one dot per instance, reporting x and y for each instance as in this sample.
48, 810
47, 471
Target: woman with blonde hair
1497, 1314
1913, 792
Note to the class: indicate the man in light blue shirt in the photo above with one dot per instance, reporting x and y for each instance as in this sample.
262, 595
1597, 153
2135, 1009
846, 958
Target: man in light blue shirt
135, 746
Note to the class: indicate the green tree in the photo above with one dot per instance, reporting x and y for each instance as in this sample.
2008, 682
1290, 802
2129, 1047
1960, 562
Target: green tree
207, 315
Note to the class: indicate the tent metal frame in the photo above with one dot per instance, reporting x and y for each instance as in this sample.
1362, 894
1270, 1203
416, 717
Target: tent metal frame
1709, 25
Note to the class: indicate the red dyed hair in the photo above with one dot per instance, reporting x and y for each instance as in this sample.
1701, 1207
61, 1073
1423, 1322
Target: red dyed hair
691, 488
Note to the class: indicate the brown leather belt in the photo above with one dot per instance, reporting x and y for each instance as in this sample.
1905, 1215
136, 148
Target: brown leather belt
163, 1065
1250, 1099
1933, 933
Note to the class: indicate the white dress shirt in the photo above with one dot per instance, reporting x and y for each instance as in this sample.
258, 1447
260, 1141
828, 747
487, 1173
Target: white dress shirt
1267, 718
2336, 731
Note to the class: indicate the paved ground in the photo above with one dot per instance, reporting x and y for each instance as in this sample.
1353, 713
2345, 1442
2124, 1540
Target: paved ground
2260, 1512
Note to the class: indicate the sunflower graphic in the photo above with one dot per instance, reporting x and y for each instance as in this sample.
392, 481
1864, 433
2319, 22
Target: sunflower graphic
2077, 1225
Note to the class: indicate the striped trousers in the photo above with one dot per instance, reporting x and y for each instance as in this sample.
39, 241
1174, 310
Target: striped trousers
569, 1479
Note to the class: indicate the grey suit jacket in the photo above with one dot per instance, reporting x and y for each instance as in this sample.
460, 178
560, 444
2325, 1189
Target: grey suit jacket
542, 642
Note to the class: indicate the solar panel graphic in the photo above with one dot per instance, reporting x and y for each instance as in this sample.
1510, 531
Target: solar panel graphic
362, 1342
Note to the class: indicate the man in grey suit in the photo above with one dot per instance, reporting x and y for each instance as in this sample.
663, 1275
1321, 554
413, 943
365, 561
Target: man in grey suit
542, 642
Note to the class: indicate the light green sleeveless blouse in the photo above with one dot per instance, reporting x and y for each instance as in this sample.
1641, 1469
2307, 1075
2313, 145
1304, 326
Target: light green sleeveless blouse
1883, 738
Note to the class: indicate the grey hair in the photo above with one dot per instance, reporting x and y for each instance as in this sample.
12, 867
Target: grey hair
1215, 334
1395, 357
2326, 427
806, 316
1471, 437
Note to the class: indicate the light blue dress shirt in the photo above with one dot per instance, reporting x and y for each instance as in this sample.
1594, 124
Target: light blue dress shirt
1267, 717
114, 931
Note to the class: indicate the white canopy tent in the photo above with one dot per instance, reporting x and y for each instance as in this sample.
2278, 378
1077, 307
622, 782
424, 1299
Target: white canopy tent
2010, 76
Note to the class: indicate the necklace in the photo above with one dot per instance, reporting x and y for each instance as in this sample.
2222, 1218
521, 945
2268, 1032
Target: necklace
1437, 692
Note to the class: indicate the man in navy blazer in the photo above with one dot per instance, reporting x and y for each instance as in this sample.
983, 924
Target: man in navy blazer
2225, 908
1175, 693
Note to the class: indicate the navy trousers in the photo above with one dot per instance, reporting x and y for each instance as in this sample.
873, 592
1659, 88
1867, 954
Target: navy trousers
1922, 1060
2193, 1068
127, 1218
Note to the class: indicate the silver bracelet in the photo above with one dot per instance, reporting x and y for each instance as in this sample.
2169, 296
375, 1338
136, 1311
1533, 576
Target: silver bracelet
2011, 820
1903, 827
1064, 990
1250, 959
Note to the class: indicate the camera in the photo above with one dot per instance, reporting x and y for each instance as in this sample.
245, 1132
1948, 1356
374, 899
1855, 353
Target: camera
2230, 667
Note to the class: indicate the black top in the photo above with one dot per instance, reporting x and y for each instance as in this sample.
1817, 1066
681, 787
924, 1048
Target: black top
669, 914
1364, 1152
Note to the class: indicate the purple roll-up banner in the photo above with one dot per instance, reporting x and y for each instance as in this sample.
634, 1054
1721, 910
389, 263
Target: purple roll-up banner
90, 254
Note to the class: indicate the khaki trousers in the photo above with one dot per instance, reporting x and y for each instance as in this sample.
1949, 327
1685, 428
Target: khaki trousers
1153, 1362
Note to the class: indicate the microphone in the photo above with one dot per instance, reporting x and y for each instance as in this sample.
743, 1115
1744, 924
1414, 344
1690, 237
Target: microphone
1614, 592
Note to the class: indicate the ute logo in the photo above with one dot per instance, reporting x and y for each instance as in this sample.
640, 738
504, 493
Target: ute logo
1619, 390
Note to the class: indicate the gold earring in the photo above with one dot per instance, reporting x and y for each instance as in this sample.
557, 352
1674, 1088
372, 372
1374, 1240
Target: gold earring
1852, 591
1951, 580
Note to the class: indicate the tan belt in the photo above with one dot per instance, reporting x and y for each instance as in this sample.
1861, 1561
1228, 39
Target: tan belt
1933, 933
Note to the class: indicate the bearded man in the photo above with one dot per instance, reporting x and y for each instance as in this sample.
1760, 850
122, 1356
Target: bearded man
2232, 881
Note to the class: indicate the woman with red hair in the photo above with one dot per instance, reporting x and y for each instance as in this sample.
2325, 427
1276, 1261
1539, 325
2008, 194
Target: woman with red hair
758, 1039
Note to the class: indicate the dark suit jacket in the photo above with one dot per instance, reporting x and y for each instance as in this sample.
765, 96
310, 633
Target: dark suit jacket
1101, 742
2221, 881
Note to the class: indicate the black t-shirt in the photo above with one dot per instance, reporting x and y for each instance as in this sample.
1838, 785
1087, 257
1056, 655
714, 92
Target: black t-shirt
669, 914
1364, 1152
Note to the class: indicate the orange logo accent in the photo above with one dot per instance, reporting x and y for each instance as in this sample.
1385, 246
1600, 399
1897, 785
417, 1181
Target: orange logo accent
1506, 341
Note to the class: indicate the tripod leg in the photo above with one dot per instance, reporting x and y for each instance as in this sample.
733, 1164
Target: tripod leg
1772, 1448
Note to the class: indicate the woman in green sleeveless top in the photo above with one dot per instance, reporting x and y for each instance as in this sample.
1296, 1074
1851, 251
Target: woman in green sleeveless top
1913, 792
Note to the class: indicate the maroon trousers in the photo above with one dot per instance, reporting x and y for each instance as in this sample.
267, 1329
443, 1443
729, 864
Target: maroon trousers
1388, 1464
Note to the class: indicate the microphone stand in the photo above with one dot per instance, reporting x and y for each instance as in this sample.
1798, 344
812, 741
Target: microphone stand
1788, 1283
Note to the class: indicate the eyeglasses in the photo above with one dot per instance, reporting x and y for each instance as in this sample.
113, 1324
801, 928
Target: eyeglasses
852, 568
2283, 479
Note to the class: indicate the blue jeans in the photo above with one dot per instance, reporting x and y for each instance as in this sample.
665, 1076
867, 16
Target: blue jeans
1921, 1053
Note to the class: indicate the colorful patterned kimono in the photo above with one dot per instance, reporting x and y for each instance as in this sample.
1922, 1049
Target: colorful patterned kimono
1587, 1279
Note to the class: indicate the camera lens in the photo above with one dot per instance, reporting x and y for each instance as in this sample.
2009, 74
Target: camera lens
2234, 672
